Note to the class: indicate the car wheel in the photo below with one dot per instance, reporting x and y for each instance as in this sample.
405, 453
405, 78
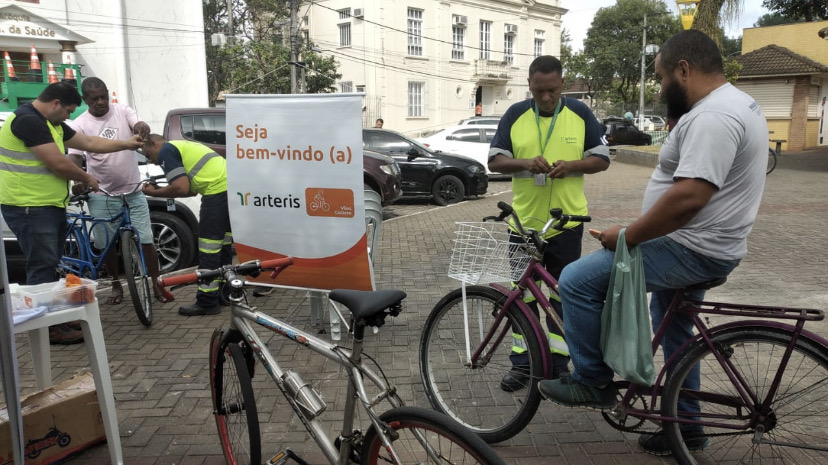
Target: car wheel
448, 189
174, 241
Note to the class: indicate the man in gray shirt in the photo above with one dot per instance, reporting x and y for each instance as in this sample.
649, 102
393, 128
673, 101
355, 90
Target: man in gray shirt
698, 209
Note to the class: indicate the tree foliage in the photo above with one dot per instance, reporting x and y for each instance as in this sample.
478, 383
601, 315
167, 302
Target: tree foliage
799, 10
612, 49
256, 59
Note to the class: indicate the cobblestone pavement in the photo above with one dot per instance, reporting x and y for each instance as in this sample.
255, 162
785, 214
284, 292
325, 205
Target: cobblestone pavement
160, 373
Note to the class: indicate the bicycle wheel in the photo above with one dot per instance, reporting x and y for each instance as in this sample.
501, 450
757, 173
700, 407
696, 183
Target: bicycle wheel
785, 431
472, 395
234, 404
771, 160
425, 436
135, 271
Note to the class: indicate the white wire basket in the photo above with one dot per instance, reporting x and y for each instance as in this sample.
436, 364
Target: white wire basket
482, 254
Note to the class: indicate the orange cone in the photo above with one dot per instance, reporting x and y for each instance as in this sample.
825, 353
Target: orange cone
52, 74
9, 67
35, 60
68, 71
114, 98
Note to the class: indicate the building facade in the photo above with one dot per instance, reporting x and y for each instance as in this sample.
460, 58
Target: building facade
149, 52
426, 64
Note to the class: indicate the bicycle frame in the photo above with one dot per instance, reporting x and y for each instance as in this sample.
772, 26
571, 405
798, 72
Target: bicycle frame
244, 317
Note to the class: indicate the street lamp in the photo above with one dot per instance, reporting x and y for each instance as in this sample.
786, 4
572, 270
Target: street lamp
645, 49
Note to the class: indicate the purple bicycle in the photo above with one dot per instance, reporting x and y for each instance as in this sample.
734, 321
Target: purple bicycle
764, 379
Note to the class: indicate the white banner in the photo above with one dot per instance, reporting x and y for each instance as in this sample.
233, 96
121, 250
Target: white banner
295, 186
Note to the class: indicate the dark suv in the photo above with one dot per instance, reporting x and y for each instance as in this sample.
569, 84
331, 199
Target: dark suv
619, 131
207, 125
446, 178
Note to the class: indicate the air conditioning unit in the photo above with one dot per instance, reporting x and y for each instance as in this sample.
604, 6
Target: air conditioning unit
358, 13
511, 29
460, 20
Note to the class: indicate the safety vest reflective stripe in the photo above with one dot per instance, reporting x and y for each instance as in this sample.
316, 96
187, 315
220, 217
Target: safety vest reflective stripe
523, 174
200, 164
24, 169
17, 155
177, 172
212, 286
228, 238
518, 343
557, 345
210, 245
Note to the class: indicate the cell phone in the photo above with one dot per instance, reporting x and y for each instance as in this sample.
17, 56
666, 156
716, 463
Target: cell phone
595, 233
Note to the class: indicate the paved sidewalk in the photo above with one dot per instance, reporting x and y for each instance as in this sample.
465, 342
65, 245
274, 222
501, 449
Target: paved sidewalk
160, 373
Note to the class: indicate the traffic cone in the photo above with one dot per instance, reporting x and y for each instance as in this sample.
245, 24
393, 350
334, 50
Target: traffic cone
52, 74
114, 98
68, 71
9, 67
35, 60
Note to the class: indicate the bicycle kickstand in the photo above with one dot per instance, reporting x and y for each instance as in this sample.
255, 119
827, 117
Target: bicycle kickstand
282, 457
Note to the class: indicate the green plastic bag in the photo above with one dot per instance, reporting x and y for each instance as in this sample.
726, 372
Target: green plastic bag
625, 320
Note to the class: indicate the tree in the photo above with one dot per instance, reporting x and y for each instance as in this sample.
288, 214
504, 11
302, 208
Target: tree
612, 48
256, 59
807, 10
774, 19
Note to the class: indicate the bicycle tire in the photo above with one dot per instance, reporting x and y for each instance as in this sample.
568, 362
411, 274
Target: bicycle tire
234, 404
771, 161
797, 414
72, 250
135, 272
446, 440
473, 396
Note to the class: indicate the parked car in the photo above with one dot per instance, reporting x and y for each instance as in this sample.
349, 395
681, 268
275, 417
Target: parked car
207, 125
659, 123
471, 141
480, 120
444, 177
622, 132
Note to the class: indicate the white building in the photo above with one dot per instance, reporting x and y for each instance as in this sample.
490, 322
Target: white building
150, 52
425, 64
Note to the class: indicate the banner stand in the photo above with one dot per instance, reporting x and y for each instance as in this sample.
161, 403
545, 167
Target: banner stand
8, 360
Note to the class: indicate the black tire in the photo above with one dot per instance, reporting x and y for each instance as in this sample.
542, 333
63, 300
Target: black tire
64, 440
796, 415
447, 190
175, 242
473, 396
138, 281
771, 161
234, 404
450, 442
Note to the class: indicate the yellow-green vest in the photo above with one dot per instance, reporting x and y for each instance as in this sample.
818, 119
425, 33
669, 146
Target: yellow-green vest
206, 170
25, 181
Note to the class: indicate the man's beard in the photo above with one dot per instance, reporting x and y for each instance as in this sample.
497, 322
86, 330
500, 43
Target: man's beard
675, 97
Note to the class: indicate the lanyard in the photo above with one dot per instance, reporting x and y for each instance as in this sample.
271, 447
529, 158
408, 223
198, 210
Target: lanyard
551, 125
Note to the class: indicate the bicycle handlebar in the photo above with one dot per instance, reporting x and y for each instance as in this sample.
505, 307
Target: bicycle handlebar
557, 221
229, 272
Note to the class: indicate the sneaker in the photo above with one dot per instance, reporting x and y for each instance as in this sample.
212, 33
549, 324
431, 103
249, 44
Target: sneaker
197, 310
64, 335
568, 392
76, 325
658, 443
517, 378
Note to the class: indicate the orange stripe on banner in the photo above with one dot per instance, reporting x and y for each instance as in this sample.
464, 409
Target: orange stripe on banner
348, 270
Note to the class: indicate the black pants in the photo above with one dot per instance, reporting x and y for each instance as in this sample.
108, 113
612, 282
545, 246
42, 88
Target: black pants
214, 244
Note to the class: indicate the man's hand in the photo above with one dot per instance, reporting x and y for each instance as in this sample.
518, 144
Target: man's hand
92, 183
135, 142
561, 169
538, 165
142, 130
608, 237
79, 188
149, 189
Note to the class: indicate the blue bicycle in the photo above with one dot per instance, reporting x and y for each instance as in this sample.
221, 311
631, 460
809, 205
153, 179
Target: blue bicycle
80, 257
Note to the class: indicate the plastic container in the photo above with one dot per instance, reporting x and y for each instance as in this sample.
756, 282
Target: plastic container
56, 295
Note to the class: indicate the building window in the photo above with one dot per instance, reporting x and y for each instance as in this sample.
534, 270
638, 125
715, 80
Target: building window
361, 88
509, 48
458, 41
485, 39
416, 98
415, 32
345, 35
344, 13
346, 86
540, 39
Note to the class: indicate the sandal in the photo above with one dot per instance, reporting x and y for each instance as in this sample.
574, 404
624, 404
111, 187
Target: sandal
115, 299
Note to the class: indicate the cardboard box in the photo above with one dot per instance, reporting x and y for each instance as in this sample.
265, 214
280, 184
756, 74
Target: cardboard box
60, 421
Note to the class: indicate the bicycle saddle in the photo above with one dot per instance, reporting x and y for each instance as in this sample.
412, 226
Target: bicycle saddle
366, 304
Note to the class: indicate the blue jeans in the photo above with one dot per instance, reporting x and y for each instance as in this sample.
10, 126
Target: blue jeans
667, 266
41, 232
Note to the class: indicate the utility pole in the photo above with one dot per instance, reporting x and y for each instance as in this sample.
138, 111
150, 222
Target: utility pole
230, 35
294, 45
643, 68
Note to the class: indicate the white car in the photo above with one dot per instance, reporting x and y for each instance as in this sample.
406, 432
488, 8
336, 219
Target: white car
471, 141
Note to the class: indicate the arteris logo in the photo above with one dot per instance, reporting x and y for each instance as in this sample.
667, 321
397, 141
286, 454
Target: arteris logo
249, 199
323, 201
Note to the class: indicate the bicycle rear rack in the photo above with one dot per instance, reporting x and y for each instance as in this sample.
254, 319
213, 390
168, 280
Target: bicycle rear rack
759, 311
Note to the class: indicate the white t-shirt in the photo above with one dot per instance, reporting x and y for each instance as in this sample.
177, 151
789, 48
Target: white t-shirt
723, 140
118, 171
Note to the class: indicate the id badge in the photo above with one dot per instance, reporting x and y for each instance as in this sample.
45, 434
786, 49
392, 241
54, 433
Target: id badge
170, 205
540, 179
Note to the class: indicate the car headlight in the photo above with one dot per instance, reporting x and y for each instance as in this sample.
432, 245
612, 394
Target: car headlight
390, 169
474, 169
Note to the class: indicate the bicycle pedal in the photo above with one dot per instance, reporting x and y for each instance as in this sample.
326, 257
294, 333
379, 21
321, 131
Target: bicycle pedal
282, 457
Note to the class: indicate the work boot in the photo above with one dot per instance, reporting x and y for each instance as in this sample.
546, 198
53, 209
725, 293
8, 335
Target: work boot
515, 379
658, 443
64, 335
76, 325
197, 310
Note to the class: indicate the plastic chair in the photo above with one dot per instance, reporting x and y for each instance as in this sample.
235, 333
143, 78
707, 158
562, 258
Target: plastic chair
90, 318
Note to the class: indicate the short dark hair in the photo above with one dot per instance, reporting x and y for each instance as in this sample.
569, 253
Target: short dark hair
63, 91
546, 64
91, 83
379, 120
694, 47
